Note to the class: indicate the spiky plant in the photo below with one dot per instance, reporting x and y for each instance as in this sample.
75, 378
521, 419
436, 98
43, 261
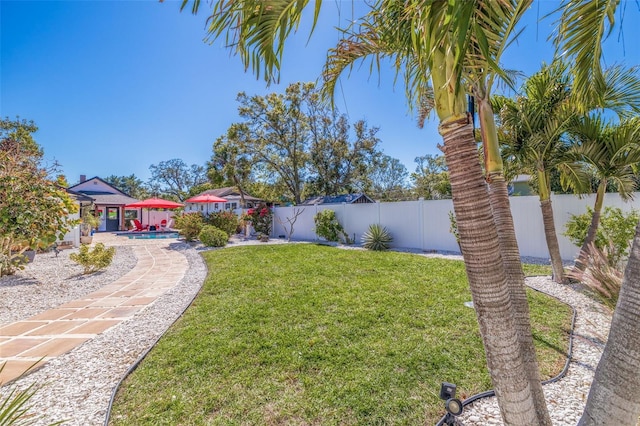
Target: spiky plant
376, 238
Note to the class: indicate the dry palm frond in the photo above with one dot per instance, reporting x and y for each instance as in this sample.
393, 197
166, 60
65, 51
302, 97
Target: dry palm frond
599, 275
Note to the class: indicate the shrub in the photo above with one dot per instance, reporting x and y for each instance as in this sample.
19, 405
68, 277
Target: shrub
328, 227
226, 221
615, 232
261, 217
93, 260
211, 236
376, 238
189, 225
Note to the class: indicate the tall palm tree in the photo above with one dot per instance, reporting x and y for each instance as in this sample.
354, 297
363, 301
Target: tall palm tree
609, 151
532, 126
383, 35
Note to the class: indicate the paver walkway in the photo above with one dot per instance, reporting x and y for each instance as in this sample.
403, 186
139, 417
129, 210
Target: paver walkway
59, 330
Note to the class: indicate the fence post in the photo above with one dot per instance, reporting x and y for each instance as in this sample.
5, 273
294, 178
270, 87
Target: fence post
421, 221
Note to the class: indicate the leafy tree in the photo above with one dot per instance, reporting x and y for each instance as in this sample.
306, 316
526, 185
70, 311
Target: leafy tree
173, 178
228, 165
294, 141
431, 178
339, 165
388, 179
34, 209
130, 185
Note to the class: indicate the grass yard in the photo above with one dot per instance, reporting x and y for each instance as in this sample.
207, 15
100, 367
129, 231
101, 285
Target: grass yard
304, 334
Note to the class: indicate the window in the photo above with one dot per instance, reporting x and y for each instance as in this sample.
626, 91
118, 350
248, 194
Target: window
131, 214
234, 206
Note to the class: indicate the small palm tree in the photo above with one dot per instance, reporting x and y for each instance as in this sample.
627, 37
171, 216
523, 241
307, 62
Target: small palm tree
531, 130
610, 151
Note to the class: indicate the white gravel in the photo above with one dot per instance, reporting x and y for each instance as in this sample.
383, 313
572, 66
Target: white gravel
77, 386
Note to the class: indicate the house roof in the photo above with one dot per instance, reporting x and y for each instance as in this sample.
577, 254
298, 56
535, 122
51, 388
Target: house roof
230, 192
338, 199
104, 194
78, 196
112, 189
112, 199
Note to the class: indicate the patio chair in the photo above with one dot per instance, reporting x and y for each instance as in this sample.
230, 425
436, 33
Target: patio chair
163, 225
138, 226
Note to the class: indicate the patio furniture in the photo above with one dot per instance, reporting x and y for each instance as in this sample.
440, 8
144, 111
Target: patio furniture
138, 226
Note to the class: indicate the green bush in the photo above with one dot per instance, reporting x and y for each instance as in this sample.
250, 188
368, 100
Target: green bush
93, 260
376, 238
328, 227
211, 236
615, 232
226, 221
189, 225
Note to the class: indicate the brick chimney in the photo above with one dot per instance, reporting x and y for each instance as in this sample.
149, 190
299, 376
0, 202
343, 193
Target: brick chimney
83, 178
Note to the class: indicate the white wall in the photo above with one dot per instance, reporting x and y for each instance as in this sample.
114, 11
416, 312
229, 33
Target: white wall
425, 225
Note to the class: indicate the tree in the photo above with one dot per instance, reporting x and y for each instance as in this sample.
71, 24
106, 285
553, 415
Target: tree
339, 165
228, 165
388, 179
174, 179
297, 141
130, 185
34, 209
431, 178
532, 126
609, 151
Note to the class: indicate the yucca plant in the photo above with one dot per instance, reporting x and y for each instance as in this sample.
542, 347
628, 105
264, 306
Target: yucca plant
376, 238
14, 405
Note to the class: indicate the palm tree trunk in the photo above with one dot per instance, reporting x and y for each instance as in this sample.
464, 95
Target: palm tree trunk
501, 207
581, 261
552, 241
486, 274
614, 398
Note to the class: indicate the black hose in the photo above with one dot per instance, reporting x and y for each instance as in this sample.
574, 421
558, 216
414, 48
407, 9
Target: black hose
144, 355
553, 379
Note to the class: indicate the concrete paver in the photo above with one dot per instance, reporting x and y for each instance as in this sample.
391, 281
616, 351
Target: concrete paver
59, 330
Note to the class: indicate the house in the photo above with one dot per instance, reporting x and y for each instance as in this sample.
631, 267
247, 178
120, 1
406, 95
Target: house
108, 200
229, 193
338, 199
520, 185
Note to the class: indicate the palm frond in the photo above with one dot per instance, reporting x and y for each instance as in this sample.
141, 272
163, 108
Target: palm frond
581, 30
256, 30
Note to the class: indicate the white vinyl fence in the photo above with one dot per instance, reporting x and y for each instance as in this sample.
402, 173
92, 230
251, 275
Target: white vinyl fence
424, 224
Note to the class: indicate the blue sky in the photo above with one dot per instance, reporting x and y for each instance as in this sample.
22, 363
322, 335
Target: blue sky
116, 86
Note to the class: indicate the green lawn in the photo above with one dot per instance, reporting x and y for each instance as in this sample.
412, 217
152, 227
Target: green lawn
307, 334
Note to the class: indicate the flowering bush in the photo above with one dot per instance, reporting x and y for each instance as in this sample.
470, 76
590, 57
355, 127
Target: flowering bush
261, 217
